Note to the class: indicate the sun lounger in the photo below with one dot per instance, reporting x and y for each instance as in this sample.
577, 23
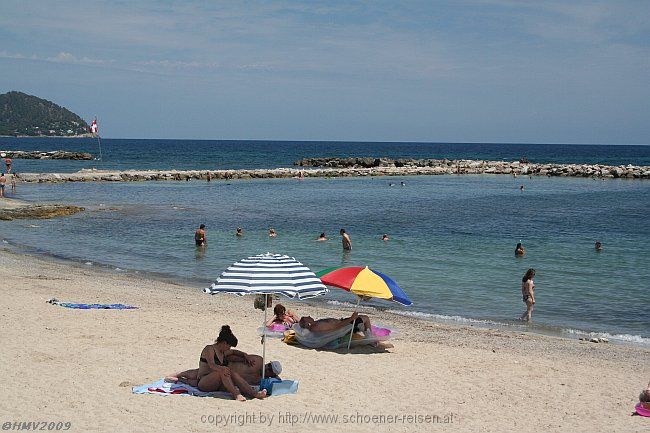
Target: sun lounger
340, 337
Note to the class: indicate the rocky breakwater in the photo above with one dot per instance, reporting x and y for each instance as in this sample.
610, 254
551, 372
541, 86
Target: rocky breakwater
387, 166
38, 154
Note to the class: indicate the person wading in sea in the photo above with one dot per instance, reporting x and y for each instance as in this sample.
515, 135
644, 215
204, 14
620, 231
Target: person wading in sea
345, 238
528, 294
199, 236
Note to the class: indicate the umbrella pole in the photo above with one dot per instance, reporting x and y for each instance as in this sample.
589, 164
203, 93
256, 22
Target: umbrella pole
352, 330
266, 303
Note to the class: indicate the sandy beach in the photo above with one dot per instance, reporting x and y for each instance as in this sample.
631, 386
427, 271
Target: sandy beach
79, 366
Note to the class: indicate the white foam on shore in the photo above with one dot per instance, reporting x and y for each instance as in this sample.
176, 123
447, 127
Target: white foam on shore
445, 318
637, 339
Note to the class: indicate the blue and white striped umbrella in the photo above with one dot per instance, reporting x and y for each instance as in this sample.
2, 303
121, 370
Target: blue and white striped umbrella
269, 274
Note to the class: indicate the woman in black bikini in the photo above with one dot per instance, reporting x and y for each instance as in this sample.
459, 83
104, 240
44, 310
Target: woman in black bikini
214, 373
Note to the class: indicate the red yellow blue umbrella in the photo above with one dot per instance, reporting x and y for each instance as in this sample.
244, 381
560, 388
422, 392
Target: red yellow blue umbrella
364, 282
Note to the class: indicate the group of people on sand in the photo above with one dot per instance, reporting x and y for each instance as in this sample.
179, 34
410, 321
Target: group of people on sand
201, 240
287, 318
223, 368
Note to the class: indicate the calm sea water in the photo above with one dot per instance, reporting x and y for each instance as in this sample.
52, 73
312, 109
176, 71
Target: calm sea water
452, 237
195, 154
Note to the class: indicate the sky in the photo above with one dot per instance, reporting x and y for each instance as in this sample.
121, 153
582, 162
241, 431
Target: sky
485, 71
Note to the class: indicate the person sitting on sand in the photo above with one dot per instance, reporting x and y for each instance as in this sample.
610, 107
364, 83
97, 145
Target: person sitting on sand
598, 246
199, 236
528, 294
282, 316
361, 323
322, 237
519, 250
644, 398
214, 372
251, 373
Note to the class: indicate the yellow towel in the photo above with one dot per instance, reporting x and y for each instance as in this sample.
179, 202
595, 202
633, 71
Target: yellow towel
290, 337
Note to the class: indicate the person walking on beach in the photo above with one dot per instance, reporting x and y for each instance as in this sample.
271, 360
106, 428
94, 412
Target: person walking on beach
199, 236
345, 238
14, 176
528, 294
3, 183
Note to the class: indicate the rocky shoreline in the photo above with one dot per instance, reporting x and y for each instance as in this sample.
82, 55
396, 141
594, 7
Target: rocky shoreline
353, 167
37, 211
38, 154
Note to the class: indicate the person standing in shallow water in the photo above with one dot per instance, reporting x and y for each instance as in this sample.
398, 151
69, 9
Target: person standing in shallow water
199, 236
345, 238
528, 294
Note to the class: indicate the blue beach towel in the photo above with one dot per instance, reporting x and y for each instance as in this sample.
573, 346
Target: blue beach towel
54, 301
160, 387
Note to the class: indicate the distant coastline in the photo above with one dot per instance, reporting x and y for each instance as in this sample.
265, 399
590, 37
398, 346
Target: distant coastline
89, 135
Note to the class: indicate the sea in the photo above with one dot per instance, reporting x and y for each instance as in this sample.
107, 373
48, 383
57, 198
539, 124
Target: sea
452, 238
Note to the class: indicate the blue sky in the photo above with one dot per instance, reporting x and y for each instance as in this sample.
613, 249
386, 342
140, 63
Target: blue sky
446, 71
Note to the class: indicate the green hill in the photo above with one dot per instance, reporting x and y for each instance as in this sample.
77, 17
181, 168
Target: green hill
22, 114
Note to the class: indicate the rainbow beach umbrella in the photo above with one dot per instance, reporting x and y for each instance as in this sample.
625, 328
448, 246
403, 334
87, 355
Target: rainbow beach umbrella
364, 282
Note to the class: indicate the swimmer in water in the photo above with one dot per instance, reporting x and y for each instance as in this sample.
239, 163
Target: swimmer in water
322, 237
598, 246
272, 233
385, 237
239, 232
519, 250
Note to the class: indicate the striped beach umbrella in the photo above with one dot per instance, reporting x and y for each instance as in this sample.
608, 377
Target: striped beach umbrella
268, 274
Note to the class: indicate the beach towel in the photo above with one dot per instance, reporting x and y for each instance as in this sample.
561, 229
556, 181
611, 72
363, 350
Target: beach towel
340, 337
55, 301
160, 387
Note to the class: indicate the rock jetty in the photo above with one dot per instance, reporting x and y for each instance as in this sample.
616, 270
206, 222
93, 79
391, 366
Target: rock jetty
329, 167
38, 154
446, 166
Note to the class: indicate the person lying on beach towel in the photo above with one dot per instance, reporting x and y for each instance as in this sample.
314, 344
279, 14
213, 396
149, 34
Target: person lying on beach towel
336, 333
214, 368
251, 373
361, 323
